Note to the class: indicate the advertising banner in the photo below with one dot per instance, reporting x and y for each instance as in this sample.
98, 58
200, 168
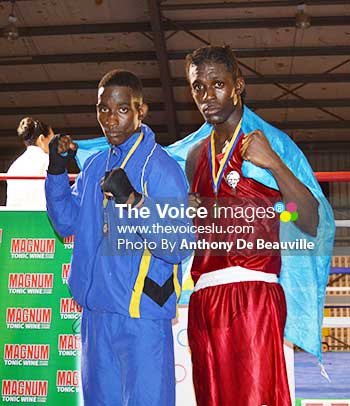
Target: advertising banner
39, 321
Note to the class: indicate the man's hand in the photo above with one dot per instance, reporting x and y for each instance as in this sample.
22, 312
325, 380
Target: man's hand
194, 200
257, 149
117, 183
61, 150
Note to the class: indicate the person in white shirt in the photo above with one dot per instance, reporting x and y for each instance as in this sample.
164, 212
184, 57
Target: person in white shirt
30, 194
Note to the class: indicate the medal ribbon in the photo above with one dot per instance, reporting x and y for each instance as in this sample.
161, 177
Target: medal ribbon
126, 159
216, 177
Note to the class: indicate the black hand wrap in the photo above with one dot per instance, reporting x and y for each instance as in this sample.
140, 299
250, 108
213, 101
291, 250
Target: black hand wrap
57, 162
119, 185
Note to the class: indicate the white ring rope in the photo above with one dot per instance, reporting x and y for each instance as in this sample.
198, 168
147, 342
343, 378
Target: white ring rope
342, 223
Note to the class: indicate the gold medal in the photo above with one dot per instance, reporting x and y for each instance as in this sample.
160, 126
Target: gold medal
216, 175
105, 228
215, 208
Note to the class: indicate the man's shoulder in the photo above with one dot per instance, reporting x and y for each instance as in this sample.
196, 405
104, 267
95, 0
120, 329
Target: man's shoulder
160, 162
196, 149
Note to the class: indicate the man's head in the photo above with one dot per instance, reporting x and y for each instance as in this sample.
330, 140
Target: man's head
216, 82
120, 107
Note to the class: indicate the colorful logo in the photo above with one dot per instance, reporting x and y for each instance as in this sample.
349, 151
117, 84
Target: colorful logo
28, 317
27, 354
68, 242
182, 337
14, 390
69, 345
65, 273
68, 381
30, 283
288, 212
180, 373
34, 248
69, 308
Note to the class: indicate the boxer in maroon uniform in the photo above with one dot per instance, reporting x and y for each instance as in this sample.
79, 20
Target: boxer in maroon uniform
237, 311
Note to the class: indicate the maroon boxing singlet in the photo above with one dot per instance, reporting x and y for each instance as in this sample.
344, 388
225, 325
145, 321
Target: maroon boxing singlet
248, 195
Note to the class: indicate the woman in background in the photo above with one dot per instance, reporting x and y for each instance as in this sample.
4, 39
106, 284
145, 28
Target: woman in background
30, 194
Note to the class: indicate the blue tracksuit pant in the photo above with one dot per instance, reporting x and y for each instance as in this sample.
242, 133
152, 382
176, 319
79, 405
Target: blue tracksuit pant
126, 362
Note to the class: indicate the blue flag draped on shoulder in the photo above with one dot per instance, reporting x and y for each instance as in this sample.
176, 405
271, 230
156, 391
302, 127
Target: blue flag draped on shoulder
86, 148
303, 277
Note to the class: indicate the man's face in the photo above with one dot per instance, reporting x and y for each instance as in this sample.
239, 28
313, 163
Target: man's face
213, 89
119, 113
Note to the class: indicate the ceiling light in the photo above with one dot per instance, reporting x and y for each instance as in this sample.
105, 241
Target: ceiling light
302, 19
11, 31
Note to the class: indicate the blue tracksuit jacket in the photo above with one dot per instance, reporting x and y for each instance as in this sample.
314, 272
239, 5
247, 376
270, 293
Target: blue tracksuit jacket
103, 278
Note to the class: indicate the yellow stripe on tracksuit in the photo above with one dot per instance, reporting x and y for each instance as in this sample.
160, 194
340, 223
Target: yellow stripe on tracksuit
177, 286
134, 307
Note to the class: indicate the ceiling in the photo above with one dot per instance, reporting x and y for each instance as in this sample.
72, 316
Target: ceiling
296, 78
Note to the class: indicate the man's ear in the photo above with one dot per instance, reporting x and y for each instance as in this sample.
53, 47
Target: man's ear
143, 110
240, 85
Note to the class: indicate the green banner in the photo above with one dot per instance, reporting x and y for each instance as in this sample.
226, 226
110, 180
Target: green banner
39, 321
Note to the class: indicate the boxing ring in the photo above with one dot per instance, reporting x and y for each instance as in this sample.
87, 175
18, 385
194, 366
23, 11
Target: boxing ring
337, 299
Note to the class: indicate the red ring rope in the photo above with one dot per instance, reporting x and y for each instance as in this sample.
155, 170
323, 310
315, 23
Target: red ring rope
320, 176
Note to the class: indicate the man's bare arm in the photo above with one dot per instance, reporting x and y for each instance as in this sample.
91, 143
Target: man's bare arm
257, 149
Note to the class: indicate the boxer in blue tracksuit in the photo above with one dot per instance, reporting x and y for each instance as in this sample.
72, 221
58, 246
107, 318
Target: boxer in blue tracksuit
128, 295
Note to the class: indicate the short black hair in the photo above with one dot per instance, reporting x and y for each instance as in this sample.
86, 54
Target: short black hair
29, 130
118, 77
217, 54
